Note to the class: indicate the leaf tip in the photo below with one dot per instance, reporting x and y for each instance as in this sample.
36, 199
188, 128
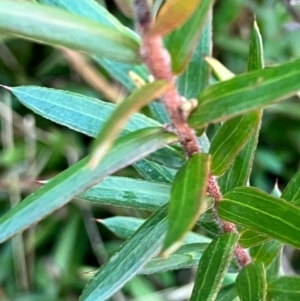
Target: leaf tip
98, 220
6, 87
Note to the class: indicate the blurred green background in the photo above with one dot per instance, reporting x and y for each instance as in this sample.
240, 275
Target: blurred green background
63, 250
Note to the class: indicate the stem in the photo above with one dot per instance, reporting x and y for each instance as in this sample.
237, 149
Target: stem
158, 61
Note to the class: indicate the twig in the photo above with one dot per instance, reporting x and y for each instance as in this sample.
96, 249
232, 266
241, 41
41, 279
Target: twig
158, 61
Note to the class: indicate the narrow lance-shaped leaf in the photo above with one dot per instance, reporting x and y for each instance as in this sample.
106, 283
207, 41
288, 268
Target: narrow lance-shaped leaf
213, 266
92, 10
230, 139
273, 270
195, 77
125, 226
239, 172
262, 213
85, 114
245, 93
291, 193
227, 293
187, 256
251, 282
124, 73
182, 42
187, 200
128, 192
78, 178
56, 27
284, 288
256, 55
173, 14
266, 252
116, 122
249, 238
129, 260
154, 172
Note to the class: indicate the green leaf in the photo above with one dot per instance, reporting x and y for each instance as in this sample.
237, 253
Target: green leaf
118, 119
256, 55
172, 15
213, 266
85, 114
187, 200
154, 172
251, 282
121, 71
182, 42
62, 188
274, 268
284, 288
159, 112
91, 10
239, 172
266, 252
195, 77
249, 238
262, 213
76, 111
185, 257
227, 293
230, 139
129, 260
245, 93
127, 192
124, 227
291, 193
56, 27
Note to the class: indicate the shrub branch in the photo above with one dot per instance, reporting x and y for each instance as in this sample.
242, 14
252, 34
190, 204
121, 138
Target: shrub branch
158, 61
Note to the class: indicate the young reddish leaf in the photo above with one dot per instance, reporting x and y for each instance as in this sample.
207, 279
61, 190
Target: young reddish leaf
182, 42
173, 14
187, 200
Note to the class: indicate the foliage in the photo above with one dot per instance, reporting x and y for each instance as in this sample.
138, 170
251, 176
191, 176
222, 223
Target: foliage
171, 208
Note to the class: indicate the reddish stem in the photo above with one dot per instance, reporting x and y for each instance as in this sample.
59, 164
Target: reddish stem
158, 61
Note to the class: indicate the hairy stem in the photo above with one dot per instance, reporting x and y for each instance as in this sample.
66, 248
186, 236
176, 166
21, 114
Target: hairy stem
158, 61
